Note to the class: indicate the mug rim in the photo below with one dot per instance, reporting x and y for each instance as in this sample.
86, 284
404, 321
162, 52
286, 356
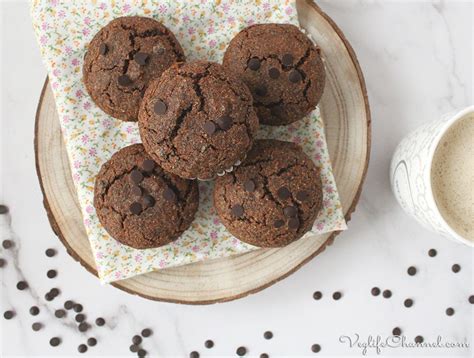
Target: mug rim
446, 126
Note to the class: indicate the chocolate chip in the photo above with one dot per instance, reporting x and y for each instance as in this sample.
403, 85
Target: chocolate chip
60, 313
277, 111
283, 193
249, 186
82, 348
54, 292
302, 195
264, 355
80, 318
50, 252
412, 271
34, 310
136, 339
103, 49
273, 73
2, 262
194, 354
141, 353
48, 296
471, 299
149, 201
3, 209
83, 326
225, 123
456, 268
78, 307
287, 59
147, 332
293, 223
432, 253
141, 58
36, 326
449, 311
55, 341
290, 211
169, 194
241, 351
419, 339
8, 314
137, 191
316, 348
336, 295
22, 285
100, 321
124, 80
387, 294
160, 107
91, 342
396, 331
7, 244
268, 335
278, 223
136, 208
68, 305
254, 64
209, 344
237, 210
295, 76
134, 348
261, 90
136, 176
209, 128
51, 273
375, 291
408, 302
317, 295
148, 165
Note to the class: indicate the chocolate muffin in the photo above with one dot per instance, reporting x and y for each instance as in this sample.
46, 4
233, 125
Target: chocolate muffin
141, 205
273, 197
121, 60
197, 120
283, 69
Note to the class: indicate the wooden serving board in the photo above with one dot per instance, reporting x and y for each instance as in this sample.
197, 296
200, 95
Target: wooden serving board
345, 110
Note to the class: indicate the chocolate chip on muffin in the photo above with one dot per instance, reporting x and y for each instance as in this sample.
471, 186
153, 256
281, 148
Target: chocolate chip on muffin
149, 220
122, 58
275, 212
283, 69
197, 120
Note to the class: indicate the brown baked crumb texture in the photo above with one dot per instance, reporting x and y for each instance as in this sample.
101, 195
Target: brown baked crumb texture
257, 56
271, 165
138, 48
155, 226
181, 115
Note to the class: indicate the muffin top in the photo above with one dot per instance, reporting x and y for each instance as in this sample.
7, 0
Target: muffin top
273, 197
141, 205
283, 69
121, 60
197, 120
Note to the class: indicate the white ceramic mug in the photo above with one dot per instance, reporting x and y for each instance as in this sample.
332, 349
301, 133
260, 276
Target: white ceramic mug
410, 174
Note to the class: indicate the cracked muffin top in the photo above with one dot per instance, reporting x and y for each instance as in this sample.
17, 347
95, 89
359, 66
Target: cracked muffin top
197, 120
273, 197
122, 58
139, 204
283, 69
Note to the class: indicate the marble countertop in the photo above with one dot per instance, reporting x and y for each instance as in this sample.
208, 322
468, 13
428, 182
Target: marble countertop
417, 60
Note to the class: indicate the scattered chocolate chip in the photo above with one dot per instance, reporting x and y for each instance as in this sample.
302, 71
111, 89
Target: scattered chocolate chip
100, 321
82, 348
51, 273
8, 314
273, 73
264, 355
456, 268
471, 299
103, 49
287, 59
3, 209
209, 344
293, 223
290, 211
48, 296
91, 342
160, 107
169, 194
315, 348
241, 351
50, 252
83, 326
124, 80
237, 210
268, 335
36, 326
261, 90
78, 308
277, 111
449, 311
336, 295
22, 285
134, 348
147, 332
148, 165
209, 128
34, 310
55, 341
137, 340
396, 331
136, 190
149, 201
2, 262
136, 208
302, 195
317, 295
7, 244
278, 223
295, 76
60, 313
141, 58
141, 353
387, 294
375, 291
136, 176
432, 253
408, 302
283, 193
194, 354
68, 305
412, 271
419, 339
80, 318
254, 64
249, 186
225, 122
54, 292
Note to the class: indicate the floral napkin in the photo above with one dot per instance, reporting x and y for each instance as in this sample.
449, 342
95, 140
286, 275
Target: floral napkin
204, 28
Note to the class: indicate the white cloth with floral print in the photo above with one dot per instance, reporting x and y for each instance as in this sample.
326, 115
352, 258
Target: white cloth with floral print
204, 28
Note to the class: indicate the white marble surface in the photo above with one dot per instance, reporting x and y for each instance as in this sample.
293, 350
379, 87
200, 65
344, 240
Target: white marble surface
417, 60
